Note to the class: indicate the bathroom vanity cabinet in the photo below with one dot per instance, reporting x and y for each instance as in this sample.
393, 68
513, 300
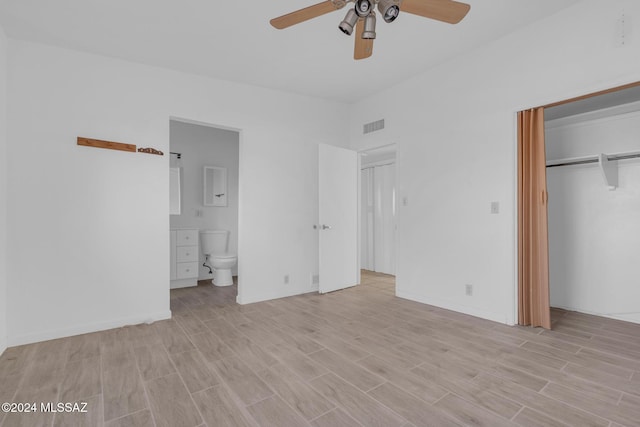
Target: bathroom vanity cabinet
185, 251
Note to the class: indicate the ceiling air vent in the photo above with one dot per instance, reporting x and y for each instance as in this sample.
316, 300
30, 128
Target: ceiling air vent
373, 126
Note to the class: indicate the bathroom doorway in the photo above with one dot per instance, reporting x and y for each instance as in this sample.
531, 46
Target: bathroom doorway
378, 209
204, 197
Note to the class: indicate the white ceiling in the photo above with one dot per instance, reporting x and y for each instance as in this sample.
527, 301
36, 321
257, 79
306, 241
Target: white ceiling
232, 40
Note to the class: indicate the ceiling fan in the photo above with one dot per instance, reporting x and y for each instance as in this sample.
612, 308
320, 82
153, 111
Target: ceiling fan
362, 17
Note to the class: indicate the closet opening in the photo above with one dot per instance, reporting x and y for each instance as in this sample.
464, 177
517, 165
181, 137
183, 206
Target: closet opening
591, 196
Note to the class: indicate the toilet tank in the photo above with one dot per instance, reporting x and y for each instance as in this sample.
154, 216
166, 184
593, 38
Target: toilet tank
214, 241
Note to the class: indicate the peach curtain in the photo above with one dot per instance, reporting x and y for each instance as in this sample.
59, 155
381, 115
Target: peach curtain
533, 239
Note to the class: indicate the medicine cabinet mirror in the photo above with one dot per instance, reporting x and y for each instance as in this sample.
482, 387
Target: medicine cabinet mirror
215, 186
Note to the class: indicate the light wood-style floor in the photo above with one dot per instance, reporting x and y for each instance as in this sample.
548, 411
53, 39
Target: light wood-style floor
357, 357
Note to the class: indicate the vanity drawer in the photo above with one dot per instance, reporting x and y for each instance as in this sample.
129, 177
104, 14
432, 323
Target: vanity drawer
187, 254
186, 270
186, 237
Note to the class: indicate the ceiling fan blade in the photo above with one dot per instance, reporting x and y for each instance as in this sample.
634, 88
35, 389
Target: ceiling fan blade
305, 14
448, 11
364, 47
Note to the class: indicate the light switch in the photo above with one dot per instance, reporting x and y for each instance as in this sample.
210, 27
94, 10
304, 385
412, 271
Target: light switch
495, 207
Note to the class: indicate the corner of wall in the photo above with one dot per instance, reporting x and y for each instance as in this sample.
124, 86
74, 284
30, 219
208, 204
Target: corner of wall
3, 191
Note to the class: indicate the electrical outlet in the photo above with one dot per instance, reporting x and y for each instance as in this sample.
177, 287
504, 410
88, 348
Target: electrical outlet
286, 279
315, 279
468, 289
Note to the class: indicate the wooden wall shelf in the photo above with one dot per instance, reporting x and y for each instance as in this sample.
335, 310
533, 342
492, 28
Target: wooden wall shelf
97, 143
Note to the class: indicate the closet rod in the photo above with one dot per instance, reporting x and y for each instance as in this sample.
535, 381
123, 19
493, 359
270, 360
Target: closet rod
595, 160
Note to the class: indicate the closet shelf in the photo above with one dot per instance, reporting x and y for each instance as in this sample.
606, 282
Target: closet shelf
607, 164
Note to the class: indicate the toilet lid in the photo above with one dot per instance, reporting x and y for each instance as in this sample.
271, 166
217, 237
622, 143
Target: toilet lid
224, 256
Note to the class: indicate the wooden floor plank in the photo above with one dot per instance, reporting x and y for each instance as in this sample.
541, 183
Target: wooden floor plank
357, 404
138, 419
244, 383
218, 407
172, 403
411, 408
195, 370
362, 378
468, 414
273, 412
300, 396
335, 418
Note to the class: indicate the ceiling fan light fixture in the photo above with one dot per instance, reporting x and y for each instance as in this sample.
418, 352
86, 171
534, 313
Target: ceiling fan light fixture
349, 22
369, 31
389, 10
363, 7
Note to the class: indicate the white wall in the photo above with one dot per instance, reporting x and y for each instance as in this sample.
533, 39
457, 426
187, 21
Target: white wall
455, 129
202, 146
3, 191
88, 227
594, 234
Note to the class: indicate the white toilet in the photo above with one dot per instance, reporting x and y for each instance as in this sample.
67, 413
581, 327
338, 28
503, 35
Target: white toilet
214, 246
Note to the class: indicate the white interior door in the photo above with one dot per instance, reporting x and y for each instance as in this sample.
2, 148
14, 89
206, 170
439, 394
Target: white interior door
385, 219
338, 215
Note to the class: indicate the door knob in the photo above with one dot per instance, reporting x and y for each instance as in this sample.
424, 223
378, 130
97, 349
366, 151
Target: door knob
326, 227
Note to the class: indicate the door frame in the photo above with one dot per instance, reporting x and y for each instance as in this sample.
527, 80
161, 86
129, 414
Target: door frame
516, 296
240, 184
363, 152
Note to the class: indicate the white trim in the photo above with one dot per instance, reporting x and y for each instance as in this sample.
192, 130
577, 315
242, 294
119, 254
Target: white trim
3, 345
241, 155
240, 265
205, 124
359, 223
562, 96
85, 328
274, 295
514, 296
183, 283
449, 305
624, 317
603, 115
378, 163
378, 147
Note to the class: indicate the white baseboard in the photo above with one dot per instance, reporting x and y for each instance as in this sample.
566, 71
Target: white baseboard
3, 345
87, 328
628, 317
449, 305
183, 283
274, 295
631, 318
